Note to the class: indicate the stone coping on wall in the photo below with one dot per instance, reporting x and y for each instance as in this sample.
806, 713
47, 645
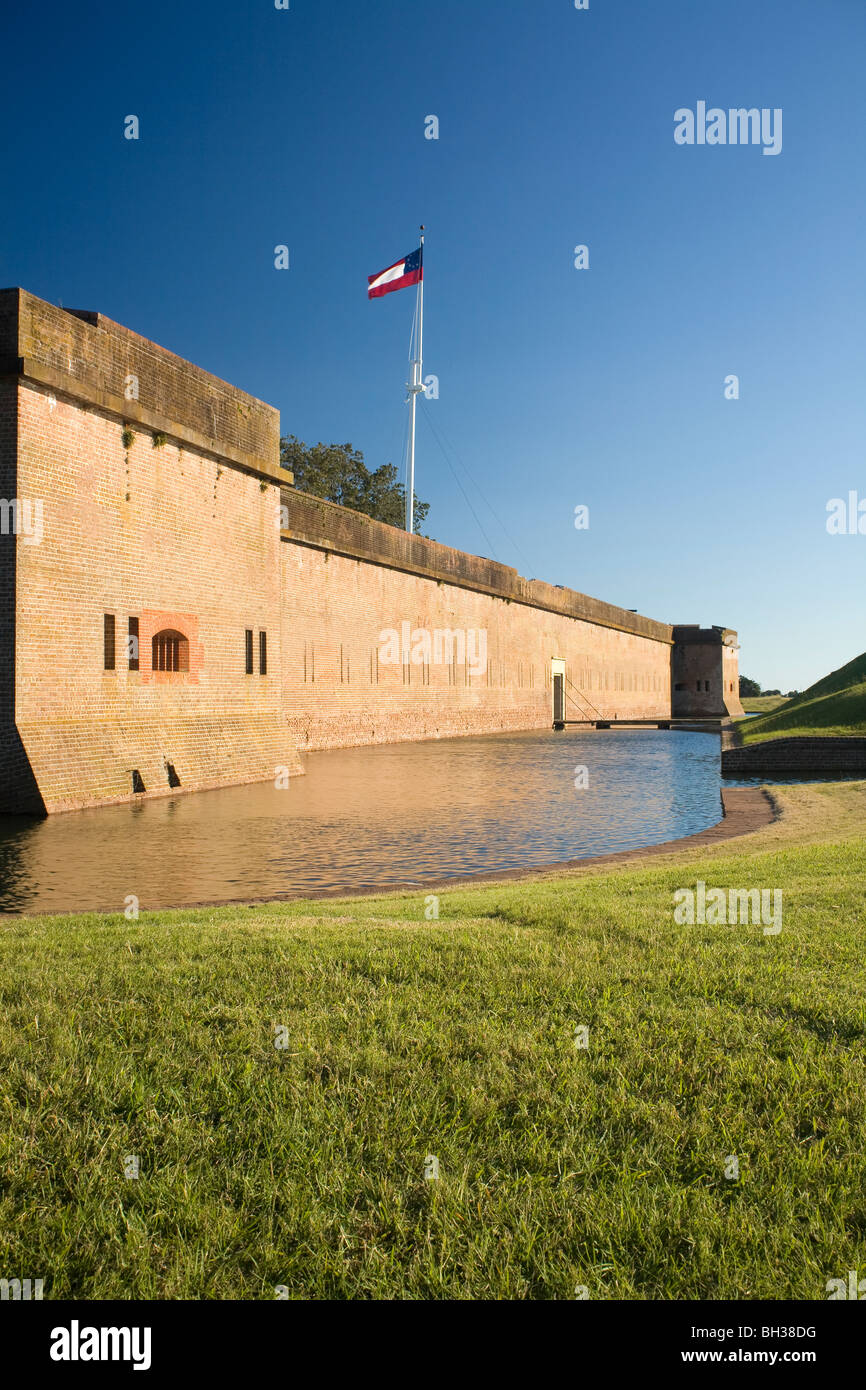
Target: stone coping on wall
693, 635
92, 360
339, 530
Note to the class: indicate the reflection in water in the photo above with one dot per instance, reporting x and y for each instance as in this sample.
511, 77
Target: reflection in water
366, 816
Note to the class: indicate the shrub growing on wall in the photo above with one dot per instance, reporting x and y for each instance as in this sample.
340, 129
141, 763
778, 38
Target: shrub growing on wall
338, 473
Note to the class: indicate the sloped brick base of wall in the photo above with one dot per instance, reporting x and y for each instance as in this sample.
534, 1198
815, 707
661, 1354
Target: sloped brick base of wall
81, 763
19, 793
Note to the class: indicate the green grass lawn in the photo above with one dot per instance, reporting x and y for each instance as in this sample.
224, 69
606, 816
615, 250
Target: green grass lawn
762, 704
559, 1166
835, 705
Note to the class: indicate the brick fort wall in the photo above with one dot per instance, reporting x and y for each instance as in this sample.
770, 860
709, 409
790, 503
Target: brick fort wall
163, 505
348, 580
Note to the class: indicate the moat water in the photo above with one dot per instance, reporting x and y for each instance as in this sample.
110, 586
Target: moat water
403, 813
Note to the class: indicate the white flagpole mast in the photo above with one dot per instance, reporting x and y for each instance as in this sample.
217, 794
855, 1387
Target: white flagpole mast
415, 387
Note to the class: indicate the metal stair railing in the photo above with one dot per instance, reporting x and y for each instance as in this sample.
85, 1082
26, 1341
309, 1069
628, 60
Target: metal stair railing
596, 713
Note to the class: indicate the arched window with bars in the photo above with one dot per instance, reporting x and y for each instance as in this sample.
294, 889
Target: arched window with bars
170, 651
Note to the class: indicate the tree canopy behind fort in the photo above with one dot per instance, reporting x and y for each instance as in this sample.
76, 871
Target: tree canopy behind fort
338, 473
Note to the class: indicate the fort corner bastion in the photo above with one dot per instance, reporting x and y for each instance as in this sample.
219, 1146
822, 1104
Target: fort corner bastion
175, 616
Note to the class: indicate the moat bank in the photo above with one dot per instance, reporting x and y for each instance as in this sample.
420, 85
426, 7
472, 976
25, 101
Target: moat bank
388, 814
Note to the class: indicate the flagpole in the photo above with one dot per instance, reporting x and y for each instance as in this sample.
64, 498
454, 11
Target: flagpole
416, 386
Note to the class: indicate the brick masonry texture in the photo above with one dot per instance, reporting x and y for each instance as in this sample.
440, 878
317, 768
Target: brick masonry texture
98, 361
324, 524
796, 756
184, 526
706, 673
18, 789
337, 689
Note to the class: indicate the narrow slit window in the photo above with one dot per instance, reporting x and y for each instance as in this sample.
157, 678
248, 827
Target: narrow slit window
108, 640
132, 644
263, 653
249, 650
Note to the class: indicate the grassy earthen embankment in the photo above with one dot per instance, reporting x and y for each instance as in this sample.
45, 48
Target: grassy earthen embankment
833, 707
454, 1038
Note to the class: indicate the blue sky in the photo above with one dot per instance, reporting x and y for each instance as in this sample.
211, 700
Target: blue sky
558, 387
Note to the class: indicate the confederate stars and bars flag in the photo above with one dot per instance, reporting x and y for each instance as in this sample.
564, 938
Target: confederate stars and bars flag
409, 271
